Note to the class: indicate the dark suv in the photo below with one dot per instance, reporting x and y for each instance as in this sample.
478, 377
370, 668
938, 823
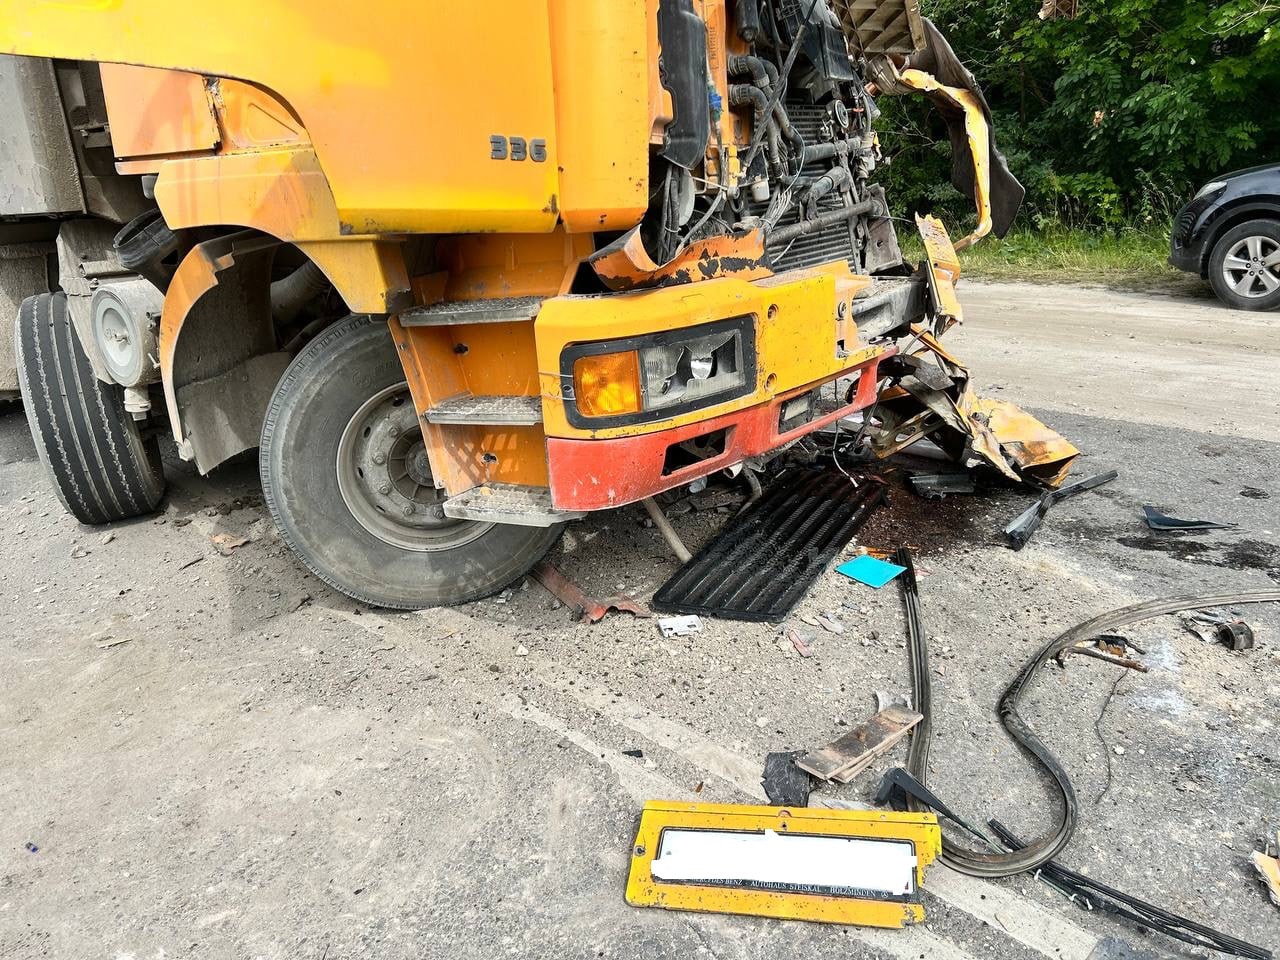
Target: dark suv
1230, 234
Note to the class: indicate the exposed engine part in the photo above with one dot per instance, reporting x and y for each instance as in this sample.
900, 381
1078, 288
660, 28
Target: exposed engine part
787, 145
125, 319
748, 20
290, 294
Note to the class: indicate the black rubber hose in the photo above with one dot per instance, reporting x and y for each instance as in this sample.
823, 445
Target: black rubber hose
747, 15
1043, 849
290, 294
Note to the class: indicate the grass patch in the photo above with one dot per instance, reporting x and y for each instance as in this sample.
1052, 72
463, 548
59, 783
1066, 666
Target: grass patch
1122, 258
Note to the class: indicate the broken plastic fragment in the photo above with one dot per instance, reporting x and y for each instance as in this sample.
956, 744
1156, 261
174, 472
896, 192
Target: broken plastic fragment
869, 570
1159, 521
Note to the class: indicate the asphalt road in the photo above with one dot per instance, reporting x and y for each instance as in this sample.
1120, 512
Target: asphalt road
216, 756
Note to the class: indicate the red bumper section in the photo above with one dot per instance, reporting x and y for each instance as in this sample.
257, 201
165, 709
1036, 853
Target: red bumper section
598, 474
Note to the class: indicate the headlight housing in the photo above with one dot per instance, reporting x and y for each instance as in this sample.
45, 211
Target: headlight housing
659, 375
1211, 187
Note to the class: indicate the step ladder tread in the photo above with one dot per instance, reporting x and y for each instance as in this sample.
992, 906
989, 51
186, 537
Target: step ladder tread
507, 503
496, 310
470, 408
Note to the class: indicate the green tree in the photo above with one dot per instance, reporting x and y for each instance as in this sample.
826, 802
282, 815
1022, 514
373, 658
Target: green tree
1108, 119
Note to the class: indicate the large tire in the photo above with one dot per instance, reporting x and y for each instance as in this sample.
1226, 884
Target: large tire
102, 468
374, 532
1238, 269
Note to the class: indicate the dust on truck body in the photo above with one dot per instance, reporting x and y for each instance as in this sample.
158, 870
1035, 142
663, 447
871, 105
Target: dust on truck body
468, 271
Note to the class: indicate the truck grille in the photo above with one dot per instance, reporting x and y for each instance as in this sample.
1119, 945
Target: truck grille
833, 243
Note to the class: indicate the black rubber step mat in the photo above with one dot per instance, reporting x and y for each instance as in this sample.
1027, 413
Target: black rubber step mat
759, 566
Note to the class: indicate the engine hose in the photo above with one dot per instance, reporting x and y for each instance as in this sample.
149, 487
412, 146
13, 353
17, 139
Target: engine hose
1037, 852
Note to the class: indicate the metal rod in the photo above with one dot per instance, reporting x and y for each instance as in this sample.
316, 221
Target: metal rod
793, 230
668, 532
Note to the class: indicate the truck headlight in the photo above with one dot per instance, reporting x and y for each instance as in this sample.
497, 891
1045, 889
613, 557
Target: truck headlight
690, 369
646, 378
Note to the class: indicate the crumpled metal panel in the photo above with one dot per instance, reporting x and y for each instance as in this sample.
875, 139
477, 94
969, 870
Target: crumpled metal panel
940, 404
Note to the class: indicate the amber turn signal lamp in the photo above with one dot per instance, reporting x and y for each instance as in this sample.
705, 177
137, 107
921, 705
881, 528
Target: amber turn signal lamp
607, 384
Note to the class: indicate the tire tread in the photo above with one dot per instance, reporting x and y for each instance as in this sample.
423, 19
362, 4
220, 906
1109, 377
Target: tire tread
101, 468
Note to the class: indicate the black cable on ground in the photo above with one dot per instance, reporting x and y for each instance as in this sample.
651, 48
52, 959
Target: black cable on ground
1094, 895
977, 863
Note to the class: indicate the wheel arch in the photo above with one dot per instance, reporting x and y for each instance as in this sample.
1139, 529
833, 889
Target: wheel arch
1232, 216
219, 356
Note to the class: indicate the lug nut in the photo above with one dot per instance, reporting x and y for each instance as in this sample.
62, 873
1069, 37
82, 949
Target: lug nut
379, 458
408, 509
438, 512
393, 430
384, 488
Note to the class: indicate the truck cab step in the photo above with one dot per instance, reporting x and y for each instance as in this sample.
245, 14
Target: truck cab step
467, 408
448, 312
508, 503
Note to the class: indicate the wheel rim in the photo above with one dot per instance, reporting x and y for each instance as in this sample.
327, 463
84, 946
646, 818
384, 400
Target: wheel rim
1252, 267
385, 478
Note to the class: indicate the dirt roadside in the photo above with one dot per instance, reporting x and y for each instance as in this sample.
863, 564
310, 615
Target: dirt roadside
264, 769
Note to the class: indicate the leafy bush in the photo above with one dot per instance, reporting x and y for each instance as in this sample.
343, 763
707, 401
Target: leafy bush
1110, 119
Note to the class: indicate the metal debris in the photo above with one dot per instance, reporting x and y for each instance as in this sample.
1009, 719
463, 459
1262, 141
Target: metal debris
935, 486
936, 400
679, 626
847, 756
1159, 521
1213, 627
592, 611
1024, 526
668, 532
885, 699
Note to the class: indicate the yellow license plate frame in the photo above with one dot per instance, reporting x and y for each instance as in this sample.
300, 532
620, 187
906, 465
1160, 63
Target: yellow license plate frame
645, 890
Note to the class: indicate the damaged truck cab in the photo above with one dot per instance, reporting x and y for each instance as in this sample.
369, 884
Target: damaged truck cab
465, 272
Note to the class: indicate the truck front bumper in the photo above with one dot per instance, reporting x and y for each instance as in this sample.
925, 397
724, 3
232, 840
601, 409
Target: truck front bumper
809, 367
597, 474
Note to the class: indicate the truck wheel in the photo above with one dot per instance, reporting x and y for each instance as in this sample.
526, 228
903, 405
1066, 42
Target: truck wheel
102, 468
1244, 267
346, 477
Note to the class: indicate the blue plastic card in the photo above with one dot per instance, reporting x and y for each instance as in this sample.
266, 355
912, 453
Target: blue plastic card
867, 569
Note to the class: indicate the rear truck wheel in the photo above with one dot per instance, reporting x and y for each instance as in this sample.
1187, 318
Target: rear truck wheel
101, 466
1244, 266
346, 476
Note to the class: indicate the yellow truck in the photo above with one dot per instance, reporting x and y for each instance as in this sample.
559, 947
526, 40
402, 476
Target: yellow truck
465, 272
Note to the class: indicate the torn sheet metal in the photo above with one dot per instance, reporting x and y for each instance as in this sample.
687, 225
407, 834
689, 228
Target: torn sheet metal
568, 593
944, 267
835, 866
931, 397
845, 757
625, 264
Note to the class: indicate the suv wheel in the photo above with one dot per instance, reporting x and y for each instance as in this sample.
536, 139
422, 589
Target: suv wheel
1244, 267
